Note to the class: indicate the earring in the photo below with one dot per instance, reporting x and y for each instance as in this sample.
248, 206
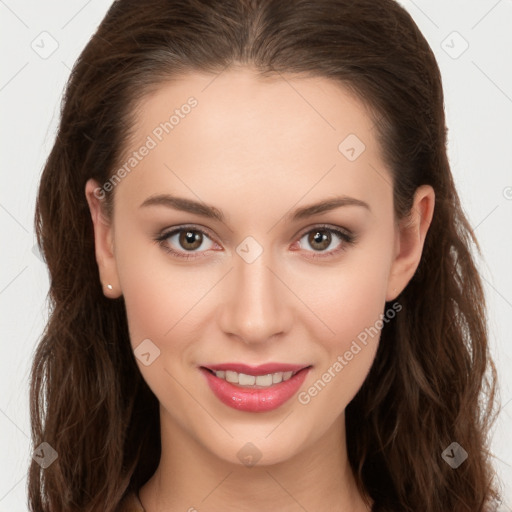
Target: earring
109, 286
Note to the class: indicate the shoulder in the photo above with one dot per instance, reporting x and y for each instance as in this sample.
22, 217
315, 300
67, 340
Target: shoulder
130, 503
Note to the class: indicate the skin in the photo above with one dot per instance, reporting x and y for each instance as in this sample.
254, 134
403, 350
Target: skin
256, 150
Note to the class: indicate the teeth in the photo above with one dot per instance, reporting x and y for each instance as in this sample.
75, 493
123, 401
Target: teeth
243, 379
246, 380
262, 380
231, 376
277, 377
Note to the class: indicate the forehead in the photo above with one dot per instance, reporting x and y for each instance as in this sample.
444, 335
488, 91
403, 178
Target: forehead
248, 109
238, 130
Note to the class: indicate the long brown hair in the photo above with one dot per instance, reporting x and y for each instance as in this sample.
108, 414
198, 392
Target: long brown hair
432, 382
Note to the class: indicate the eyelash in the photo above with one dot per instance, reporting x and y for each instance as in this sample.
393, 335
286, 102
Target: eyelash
347, 237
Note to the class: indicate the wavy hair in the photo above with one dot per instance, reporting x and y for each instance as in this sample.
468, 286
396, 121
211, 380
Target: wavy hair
432, 381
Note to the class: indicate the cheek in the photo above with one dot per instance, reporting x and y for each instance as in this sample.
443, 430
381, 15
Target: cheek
352, 305
347, 299
157, 294
164, 308
162, 304
360, 304
354, 312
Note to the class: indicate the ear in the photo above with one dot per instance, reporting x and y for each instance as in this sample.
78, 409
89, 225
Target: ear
409, 241
103, 240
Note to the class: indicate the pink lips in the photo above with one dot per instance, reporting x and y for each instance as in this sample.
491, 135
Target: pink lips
254, 399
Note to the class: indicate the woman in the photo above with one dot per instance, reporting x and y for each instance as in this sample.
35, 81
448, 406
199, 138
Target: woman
263, 294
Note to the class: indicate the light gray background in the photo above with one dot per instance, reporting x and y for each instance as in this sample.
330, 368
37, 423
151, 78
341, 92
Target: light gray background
478, 101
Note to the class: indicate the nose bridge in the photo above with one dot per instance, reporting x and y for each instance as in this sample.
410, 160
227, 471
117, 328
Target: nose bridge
257, 307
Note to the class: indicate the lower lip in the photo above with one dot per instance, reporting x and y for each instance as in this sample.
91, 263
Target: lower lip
252, 399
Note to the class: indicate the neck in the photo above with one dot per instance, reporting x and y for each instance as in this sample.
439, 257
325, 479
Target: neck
189, 477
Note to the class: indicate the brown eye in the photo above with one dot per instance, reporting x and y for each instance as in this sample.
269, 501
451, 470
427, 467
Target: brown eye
326, 241
190, 239
319, 239
186, 242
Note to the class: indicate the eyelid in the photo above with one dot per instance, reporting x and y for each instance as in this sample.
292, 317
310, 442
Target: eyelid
327, 227
193, 227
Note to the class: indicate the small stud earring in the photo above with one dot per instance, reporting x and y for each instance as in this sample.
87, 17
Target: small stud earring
109, 286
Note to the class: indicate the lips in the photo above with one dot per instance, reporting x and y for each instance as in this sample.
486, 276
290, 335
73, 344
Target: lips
250, 388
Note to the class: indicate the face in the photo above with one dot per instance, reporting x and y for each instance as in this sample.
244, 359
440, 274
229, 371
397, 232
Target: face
225, 267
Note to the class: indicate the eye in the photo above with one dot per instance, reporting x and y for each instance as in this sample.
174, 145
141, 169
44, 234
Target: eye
327, 241
186, 240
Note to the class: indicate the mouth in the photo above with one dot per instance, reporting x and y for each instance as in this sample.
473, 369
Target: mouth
254, 389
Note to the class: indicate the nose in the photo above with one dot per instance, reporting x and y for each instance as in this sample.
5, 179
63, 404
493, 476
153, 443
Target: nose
257, 305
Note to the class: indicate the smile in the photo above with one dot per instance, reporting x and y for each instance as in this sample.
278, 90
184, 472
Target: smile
254, 389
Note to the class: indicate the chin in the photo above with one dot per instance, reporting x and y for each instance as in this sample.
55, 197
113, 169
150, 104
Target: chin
259, 450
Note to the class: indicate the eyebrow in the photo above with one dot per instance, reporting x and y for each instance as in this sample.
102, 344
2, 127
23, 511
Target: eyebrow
208, 211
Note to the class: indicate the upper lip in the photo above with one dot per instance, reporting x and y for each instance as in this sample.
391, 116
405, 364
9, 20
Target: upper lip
262, 369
